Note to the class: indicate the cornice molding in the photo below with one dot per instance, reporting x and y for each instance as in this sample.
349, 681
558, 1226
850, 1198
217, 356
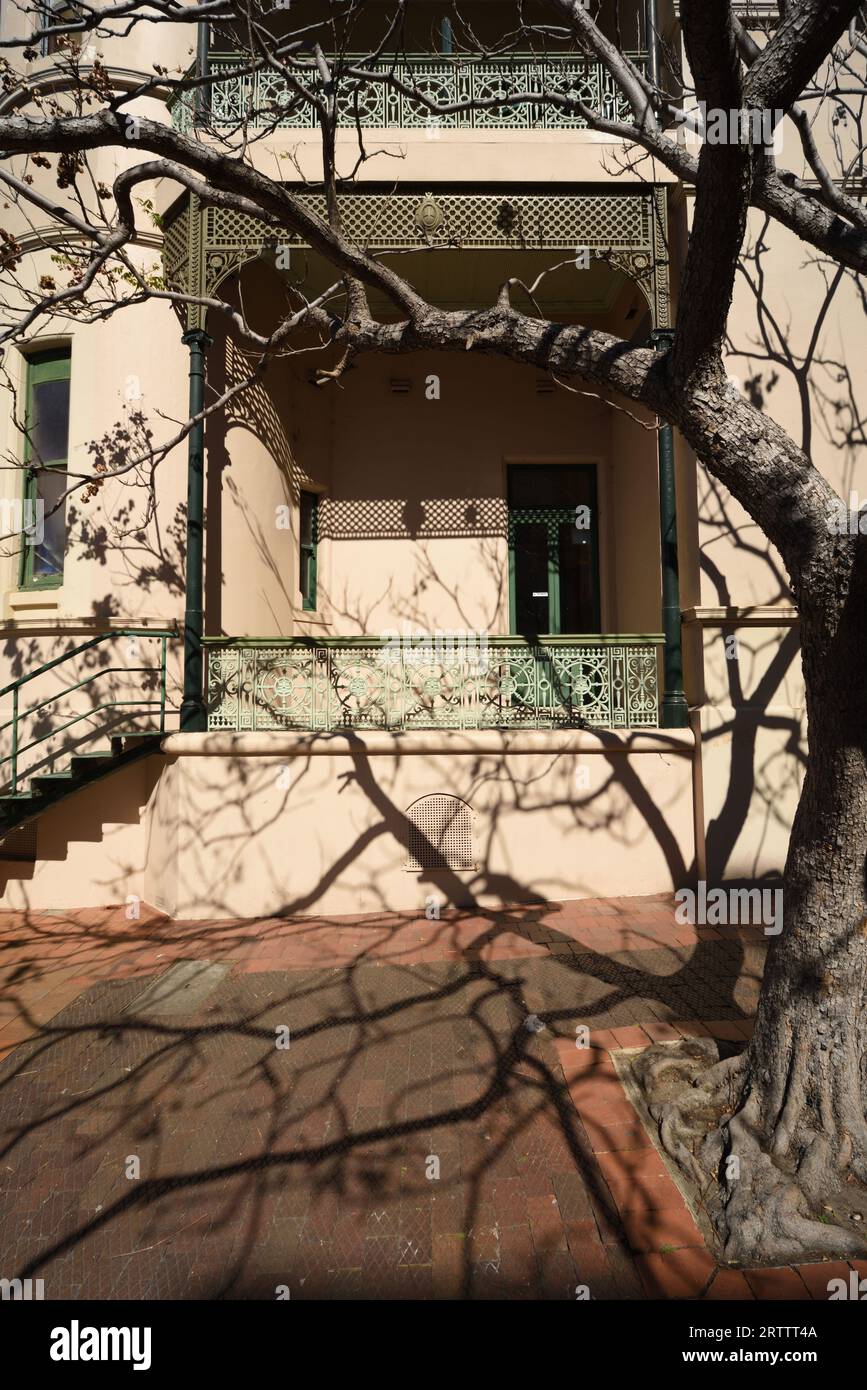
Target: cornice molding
43, 239
55, 79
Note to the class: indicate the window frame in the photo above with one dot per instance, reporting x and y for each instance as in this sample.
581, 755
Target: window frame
41, 365
308, 551
51, 12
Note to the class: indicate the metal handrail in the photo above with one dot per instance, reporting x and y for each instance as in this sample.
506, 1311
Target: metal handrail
390, 62
14, 688
84, 646
544, 639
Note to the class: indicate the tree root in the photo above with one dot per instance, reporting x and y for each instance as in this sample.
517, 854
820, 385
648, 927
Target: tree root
763, 1198
767, 1212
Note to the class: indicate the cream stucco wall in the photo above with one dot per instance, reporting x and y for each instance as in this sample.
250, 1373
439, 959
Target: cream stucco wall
740, 629
92, 849
416, 488
257, 825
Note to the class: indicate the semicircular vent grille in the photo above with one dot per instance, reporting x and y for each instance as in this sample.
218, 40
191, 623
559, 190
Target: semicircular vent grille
440, 834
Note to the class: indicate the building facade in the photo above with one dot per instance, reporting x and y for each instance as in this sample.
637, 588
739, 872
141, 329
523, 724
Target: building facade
445, 631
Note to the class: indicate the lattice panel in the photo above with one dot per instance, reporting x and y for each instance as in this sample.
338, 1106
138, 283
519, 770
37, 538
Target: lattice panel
176, 257
440, 833
392, 518
616, 221
509, 685
175, 237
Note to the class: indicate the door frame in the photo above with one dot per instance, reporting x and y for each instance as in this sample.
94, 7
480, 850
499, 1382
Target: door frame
597, 472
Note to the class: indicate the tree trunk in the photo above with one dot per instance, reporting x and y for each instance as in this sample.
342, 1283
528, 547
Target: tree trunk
800, 1125
776, 1139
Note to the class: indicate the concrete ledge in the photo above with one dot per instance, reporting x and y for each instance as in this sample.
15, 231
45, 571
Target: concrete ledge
382, 743
758, 615
44, 625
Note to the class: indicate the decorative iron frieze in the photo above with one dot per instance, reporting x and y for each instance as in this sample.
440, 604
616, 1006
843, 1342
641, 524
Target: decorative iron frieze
629, 229
509, 684
266, 100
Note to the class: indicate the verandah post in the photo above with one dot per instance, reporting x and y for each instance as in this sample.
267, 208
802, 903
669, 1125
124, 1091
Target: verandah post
674, 712
193, 717
193, 714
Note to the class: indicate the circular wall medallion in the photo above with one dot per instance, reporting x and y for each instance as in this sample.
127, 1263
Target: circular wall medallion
428, 215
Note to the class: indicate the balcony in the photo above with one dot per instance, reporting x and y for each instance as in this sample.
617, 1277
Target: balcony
497, 683
264, 99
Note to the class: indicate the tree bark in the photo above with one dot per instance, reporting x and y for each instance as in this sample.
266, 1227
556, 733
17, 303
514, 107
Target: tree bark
801, 1121
781, 1160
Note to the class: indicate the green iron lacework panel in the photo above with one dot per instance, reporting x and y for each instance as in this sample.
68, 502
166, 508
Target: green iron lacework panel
265, 98
203, 245
501, 683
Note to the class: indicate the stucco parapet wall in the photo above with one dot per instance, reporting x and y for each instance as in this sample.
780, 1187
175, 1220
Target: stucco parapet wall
451, 743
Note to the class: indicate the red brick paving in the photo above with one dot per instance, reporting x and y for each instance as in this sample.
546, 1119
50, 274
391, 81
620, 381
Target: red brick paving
816, 1277
778, 1283
541, 1225
677, 1273
730, 1285
87, 943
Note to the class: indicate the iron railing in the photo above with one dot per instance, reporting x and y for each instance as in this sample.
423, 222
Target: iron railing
265, 97
48, 728
497, 683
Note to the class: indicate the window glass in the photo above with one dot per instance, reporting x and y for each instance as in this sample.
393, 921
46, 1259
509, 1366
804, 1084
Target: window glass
49, 422
577, 579
48, 553
554, 565
60, 14
307, 549
560, 485
531, 577
308, 503
46, 447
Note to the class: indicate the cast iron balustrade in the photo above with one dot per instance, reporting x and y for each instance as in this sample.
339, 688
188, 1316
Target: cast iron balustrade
264, 98
433, 683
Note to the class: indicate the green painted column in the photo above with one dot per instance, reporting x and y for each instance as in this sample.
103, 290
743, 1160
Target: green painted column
194, 718
651, 40
193, 713
675, 712
202, 95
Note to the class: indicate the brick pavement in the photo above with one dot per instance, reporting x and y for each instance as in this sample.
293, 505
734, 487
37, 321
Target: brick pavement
415, 1139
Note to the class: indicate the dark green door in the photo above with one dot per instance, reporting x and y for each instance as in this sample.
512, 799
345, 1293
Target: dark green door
553, 549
